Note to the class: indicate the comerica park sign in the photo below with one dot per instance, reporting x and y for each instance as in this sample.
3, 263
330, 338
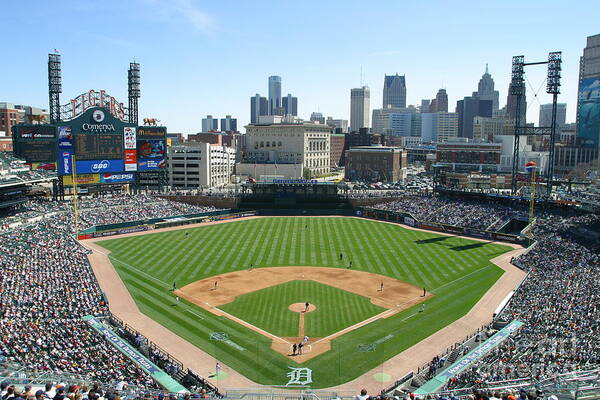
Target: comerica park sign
91, 99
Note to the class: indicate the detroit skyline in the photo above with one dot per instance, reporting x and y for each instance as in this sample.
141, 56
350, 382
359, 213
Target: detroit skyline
202, 63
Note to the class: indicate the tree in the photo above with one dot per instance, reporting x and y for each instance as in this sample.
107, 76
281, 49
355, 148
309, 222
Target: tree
307, 173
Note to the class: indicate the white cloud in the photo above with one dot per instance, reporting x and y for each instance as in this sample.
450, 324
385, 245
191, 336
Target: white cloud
186, 9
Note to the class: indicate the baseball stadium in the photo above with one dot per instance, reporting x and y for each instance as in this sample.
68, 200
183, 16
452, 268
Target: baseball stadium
114, 285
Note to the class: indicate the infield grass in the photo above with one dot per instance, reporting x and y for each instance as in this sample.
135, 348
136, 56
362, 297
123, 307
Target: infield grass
457, 271
336, 308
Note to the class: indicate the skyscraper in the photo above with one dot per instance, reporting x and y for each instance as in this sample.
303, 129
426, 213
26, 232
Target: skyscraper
360, 100
440, 103
511, 105
467, 109
258, 106
546, 115
485, 89
228, 124
210, 124
317, 117
588, 100
394, 91
274, 94
290, 105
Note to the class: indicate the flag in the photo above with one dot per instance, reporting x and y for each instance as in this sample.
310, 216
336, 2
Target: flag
56, 51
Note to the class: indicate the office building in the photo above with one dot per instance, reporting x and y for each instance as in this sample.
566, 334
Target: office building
289, 105
440, 103
470, 157
279, 146
337, 143
274, 95
438, 127
360, 100
425, 103
467, 109
511, 105
486, 128
339, 125
228, 124
392, 121
588, 100
546, 115
9, 117
210, 124
485, 89
200, 165
317, 117
376, 164
394, 91
258, 106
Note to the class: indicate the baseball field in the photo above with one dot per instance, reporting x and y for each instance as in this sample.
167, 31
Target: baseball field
374, 290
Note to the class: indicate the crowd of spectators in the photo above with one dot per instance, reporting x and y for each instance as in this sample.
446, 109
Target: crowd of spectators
467, 213
106, 209
47, 286
559, 303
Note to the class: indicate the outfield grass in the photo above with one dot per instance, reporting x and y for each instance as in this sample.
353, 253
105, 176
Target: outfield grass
336, 308
457, 271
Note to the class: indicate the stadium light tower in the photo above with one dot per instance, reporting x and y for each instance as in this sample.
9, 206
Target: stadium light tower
531, 168
54, 86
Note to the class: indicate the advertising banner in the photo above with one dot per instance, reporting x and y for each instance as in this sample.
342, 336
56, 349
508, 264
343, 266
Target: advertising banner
130, 160
96, 166
588, 127
129, 139
116, 178
49, 166
151, 132
150, 165
151, 148
431, 227
82, 179
65, 162
37, 132
409, 221
453, 229
65, 138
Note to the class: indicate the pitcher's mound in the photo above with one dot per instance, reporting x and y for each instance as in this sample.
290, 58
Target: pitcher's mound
301, 307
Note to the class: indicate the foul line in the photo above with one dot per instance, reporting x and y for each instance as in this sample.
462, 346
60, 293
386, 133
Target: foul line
463, 277
107, 255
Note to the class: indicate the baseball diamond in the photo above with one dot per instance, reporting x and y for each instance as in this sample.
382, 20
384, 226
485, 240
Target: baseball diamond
366, 280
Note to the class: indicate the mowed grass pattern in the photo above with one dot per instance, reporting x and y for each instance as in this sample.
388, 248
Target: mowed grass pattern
268, 308
456, 270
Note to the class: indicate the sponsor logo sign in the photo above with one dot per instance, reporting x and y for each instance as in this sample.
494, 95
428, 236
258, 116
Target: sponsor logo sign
129, 139
149, 165
96, 166
86, 179
130, 160
65, 162
116, 178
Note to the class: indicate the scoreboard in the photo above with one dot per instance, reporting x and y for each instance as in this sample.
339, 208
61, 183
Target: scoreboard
99, 146
105, 149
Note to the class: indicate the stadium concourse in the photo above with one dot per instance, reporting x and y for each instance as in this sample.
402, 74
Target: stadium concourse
46, 286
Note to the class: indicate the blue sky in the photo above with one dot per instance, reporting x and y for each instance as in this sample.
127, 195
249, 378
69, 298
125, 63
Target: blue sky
208, 57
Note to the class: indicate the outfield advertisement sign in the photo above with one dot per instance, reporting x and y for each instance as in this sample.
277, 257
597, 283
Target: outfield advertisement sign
409, 221
89, 179
120, 231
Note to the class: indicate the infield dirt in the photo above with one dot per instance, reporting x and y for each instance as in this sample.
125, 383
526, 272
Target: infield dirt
392, 294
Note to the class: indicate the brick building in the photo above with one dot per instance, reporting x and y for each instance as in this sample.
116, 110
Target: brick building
336, 149
376, 163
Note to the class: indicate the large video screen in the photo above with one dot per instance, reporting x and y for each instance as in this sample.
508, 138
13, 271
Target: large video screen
98, 147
